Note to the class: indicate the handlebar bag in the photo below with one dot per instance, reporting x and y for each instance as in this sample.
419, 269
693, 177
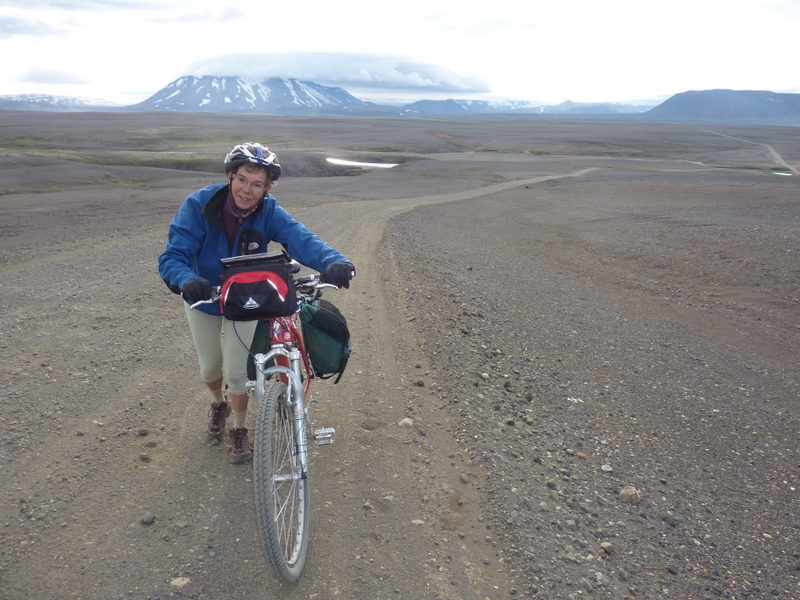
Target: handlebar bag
257, 286
326, 337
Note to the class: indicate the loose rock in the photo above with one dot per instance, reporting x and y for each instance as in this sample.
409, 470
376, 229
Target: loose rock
630, 494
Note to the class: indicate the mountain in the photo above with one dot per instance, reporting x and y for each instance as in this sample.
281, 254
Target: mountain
595, 108
728, 106
456, 108
452, 107
235, 95
52, 103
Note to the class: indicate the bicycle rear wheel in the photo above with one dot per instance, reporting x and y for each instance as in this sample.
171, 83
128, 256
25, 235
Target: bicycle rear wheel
281, 490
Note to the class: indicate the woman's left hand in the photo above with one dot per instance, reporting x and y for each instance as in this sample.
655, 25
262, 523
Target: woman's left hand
339, 274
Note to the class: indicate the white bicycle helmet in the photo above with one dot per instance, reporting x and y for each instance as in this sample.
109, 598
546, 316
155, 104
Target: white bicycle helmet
254, 153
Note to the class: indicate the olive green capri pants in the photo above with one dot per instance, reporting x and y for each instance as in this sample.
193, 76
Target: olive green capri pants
222, 347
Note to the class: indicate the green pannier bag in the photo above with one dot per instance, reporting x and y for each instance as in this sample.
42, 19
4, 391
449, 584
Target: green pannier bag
326, 337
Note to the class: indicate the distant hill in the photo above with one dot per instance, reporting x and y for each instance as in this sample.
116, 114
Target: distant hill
52, 103
455, 108
729, 106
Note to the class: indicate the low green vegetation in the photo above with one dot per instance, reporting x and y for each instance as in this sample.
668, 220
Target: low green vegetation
376, 149
17, 143
751, 168
502, 150
513, 151
183, 161
180, 148
492, 179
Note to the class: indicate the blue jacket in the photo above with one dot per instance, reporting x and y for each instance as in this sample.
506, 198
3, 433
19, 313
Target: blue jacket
197, 240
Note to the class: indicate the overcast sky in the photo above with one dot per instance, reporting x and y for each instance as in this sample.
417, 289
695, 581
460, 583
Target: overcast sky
582, 50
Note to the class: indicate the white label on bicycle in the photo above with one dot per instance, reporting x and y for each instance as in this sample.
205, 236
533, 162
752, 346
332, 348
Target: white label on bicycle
298, 412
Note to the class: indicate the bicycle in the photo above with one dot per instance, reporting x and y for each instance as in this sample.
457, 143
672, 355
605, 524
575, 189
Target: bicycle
280, 445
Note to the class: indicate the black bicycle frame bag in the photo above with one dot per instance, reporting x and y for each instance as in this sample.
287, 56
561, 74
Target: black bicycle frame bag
257, 286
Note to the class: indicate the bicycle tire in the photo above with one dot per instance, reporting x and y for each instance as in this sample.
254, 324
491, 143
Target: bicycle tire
281, 490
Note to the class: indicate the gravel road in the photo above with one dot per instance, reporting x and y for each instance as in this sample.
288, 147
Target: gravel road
576, 371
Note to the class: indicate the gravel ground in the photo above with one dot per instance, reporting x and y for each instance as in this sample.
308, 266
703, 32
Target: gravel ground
576, 368
624, 378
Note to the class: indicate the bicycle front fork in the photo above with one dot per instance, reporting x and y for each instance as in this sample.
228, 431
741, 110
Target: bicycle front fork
323, 436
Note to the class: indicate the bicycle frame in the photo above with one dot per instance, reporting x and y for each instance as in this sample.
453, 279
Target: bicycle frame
281, 465
290, 360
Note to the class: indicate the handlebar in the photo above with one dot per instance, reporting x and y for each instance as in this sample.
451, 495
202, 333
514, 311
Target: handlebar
311, 283
214, 298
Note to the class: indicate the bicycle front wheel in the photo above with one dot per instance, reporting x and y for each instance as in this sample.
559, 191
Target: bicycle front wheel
281, 489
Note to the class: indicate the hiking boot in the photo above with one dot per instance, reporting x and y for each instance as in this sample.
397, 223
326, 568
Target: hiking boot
218, 413
240, 446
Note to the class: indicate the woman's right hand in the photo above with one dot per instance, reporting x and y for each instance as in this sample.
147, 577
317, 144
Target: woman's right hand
196, 290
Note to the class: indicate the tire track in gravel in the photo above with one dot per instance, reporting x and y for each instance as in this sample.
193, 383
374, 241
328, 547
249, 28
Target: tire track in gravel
413, 501
772, 152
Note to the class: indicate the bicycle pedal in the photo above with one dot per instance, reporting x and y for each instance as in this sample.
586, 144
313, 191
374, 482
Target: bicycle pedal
324, 436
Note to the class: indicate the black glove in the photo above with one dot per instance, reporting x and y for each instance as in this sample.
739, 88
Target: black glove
339, 274
196, 289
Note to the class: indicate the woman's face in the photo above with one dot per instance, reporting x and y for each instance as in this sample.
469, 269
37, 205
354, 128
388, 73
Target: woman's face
248, 187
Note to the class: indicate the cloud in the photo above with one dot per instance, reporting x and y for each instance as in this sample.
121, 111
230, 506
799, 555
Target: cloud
10, 26
50, 76
85, 5
231, 13
347, 70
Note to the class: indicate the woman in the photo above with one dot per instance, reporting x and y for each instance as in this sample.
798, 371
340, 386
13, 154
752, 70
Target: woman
221, 221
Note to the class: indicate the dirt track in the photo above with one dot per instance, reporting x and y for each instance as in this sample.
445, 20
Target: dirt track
587, 309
